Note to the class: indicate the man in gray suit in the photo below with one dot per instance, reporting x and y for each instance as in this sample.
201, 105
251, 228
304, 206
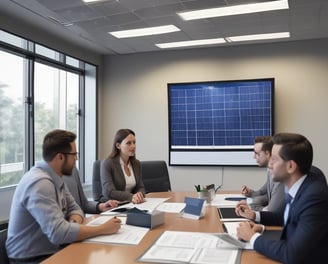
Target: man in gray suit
270, 197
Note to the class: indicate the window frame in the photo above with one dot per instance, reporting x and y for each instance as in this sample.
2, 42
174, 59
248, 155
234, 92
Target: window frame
63, 62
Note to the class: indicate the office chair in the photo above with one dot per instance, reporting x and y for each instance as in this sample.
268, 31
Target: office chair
318, 174
96, 182
3, 252
155, 176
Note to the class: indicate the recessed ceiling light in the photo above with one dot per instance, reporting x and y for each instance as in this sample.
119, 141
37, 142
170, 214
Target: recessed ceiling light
234, 10
144, 31
200, 42
259, 37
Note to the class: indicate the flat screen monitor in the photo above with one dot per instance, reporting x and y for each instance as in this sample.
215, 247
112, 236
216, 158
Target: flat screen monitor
216, 122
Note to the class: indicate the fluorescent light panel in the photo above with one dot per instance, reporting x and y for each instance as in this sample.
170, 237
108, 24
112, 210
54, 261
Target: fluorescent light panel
235, 10
203, 42
191, 43
259, 37
91, 1
144, 31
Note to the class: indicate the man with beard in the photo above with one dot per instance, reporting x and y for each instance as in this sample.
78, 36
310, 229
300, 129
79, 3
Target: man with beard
270, 197
304, 219
44, 216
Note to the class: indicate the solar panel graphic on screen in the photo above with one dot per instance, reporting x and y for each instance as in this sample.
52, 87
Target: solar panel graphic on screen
210, 121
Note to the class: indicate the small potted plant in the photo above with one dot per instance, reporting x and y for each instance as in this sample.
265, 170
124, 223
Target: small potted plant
206, 192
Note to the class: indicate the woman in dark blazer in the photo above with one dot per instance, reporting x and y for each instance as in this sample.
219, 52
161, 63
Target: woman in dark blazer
120, 173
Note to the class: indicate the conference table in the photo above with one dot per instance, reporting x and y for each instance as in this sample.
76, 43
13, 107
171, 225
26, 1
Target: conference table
91, 253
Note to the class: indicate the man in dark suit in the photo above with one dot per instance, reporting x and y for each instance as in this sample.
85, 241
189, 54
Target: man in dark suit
304, 237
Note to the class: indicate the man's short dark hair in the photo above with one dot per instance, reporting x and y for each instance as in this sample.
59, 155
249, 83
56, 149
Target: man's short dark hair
297, 148
266, 141
57, 141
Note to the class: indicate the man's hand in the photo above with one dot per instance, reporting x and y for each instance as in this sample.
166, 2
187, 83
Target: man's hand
242, 209
245, 190
246, 230
111, 226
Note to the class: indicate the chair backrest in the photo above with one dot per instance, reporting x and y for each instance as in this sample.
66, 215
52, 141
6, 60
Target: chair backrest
96, 182
3, 252
155, 176
318, 174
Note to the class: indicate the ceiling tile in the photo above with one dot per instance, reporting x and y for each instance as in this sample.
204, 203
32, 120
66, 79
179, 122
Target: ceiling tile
306, 19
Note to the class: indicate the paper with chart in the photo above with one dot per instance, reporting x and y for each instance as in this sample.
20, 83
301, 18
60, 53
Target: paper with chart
191, 247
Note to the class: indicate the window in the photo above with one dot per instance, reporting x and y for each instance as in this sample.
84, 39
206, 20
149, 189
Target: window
42, 89
56, 94
12, 120
46, 52
12, 39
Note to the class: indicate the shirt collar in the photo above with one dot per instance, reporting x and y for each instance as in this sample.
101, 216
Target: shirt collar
294, 189
122, 162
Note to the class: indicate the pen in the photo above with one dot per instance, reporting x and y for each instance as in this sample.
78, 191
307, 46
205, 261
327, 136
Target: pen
118, 219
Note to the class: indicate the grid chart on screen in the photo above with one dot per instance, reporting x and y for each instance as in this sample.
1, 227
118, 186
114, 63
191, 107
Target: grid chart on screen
220, 113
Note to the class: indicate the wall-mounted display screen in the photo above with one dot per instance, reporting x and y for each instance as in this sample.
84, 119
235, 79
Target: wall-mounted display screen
215, 123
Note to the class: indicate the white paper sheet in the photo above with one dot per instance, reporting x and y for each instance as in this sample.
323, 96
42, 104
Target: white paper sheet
171, 207
128, 234
191, 247
231, 228
149, 205
220, 200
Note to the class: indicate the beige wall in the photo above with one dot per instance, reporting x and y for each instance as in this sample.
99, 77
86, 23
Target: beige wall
134, 95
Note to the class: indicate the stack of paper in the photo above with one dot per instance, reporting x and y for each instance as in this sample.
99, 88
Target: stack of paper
191, 247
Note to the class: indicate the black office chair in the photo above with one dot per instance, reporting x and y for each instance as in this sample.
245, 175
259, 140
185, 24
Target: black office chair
96, 182
155, 176
3, 252
318, 174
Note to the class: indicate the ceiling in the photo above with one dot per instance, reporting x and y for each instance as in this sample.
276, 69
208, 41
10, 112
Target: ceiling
87, 25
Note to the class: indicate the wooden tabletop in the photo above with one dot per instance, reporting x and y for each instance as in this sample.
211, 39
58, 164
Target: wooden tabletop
88, 253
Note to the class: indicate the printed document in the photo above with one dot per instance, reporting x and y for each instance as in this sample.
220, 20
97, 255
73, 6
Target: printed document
128, 234
191, 247
171, 207
148, 206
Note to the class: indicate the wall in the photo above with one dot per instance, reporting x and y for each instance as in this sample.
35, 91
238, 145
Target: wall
15, 23
134, 95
